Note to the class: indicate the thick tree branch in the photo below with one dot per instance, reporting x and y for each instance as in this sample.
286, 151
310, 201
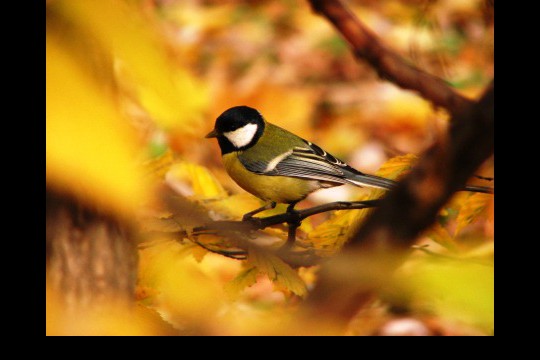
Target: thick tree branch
442, 170
388, 64
387, 236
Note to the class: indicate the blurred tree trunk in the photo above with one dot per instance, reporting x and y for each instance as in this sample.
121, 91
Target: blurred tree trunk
91, 259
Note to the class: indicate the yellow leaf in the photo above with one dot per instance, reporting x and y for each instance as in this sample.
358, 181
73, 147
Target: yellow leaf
184, 290
473, 206
192, 179
246, 278
91, 149
198, 253
396, 166
329, 236
277, 271
168, 92
234, 206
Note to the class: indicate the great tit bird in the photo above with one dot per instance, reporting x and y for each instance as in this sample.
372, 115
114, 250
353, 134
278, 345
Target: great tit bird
277, 166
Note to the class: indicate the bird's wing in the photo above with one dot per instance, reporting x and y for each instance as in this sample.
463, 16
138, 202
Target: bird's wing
308, 162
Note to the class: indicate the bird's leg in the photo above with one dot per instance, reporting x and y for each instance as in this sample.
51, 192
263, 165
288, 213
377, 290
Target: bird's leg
290, 208
267, 206
293, 224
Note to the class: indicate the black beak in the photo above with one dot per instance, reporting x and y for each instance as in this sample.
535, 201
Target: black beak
212, 134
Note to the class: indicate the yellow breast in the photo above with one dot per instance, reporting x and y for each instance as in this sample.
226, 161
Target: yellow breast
280, 189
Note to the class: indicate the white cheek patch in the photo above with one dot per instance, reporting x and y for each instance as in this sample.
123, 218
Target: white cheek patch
241, 136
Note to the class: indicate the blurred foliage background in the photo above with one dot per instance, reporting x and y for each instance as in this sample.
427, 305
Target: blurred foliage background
133, 87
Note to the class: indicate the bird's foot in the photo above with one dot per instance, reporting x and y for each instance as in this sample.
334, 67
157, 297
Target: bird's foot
249, 216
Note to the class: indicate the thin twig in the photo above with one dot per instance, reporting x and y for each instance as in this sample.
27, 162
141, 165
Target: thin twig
256, 223
231, 230
233, 254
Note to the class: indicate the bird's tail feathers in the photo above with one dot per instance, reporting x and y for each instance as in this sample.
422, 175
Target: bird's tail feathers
387, 184
371, 181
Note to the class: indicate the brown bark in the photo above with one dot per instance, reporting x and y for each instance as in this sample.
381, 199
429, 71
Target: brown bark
91, 260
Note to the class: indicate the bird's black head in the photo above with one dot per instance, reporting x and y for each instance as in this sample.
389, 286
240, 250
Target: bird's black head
237, 128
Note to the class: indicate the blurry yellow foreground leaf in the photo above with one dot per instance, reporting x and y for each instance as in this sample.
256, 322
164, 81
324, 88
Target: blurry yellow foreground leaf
90, 148
170, 94
457, 290
184, 292
107, 319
